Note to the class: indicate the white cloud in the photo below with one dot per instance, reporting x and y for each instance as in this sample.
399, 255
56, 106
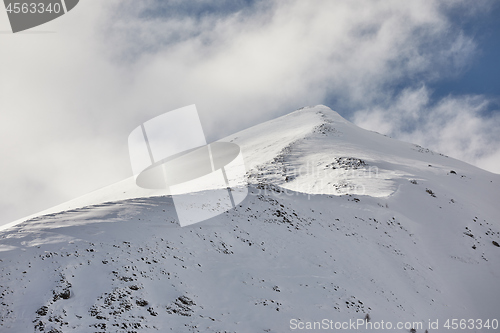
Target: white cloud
70, 98
454, 125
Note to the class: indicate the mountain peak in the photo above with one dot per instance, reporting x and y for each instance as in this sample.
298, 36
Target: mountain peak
314, 150
339, 222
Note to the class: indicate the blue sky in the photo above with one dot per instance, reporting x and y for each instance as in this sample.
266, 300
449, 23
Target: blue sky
482, 74
423, 71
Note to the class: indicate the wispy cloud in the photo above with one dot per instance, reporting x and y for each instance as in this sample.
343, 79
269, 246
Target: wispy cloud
455, 125
285, 54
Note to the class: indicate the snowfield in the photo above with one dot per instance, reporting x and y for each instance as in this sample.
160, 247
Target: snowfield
339, 223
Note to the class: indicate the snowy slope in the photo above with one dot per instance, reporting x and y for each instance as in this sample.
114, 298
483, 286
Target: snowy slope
340, 222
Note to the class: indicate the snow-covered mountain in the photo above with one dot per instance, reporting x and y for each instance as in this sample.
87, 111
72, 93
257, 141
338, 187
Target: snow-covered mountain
339, 222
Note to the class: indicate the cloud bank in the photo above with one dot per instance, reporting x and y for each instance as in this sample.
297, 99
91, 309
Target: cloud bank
455, 125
